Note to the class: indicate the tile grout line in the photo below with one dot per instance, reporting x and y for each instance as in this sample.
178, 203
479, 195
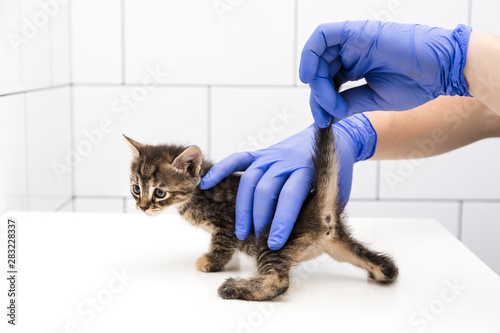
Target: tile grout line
421, 200
62, 85
209, 121
469, 14
26, 174
377, 181
70, 42
166, 85
71, 97
295, 41
193, 85
123, 39
61, 206
21, 62
110, 197
51, 51
460, 218
72, 140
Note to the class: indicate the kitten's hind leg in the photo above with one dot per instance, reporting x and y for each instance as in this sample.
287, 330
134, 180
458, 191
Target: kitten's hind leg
222, 247
379, 266
271, 281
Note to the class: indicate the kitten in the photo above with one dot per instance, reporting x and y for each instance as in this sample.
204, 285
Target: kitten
166, 175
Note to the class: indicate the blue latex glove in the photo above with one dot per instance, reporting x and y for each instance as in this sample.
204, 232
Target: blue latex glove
278, 179
405, 65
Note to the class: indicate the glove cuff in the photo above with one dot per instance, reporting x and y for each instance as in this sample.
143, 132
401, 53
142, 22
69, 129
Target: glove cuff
361, 130
457, 85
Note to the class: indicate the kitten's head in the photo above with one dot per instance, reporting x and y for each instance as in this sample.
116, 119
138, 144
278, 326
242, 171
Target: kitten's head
163, 175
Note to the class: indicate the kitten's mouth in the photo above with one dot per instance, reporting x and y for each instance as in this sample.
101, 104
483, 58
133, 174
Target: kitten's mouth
152, 212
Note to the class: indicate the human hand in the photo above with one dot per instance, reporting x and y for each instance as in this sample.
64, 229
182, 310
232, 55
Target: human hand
278, 179
405, 65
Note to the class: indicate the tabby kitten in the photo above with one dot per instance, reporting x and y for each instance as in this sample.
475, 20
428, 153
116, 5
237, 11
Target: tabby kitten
166, 175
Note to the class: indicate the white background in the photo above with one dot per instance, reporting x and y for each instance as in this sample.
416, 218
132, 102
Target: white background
232, 69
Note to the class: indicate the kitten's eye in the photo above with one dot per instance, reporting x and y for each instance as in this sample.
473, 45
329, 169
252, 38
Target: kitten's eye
159, 193
136, 189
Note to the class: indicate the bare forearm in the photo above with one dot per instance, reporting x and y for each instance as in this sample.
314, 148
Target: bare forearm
434, 128
482, 70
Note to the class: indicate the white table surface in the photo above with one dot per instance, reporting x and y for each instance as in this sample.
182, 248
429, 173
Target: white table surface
67, 259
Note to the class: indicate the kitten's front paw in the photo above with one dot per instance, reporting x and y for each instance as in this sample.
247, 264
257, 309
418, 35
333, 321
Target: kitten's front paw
204, 265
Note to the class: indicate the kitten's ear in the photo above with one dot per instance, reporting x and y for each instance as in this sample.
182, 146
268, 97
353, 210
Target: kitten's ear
189, 161
135, 146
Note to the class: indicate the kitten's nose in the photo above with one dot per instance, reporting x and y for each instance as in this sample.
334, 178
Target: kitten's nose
143, 208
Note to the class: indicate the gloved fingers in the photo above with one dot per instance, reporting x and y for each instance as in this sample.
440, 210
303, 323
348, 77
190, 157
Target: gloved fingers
321, 117
333, 67
244, 201
292, 196
323, 70
266, 196
331, 53
361, 99
234, 162
322, 89
324, 36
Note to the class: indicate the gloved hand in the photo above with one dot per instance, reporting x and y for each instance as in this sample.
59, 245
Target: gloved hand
405, 65
278, 179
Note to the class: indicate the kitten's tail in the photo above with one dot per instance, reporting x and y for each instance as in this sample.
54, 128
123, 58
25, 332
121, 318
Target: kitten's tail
326, 173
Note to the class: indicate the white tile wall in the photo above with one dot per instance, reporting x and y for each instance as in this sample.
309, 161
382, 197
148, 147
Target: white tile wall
428, 12
60, 43
250, 44
96, 41
364, 180
35, 53
10, 66
447, 213
313, 12
468, 173
103, 205
25, 47
166, 115
12, 145
130, 206
481, 230
484, 15
48, 142
255, 118
34, 48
